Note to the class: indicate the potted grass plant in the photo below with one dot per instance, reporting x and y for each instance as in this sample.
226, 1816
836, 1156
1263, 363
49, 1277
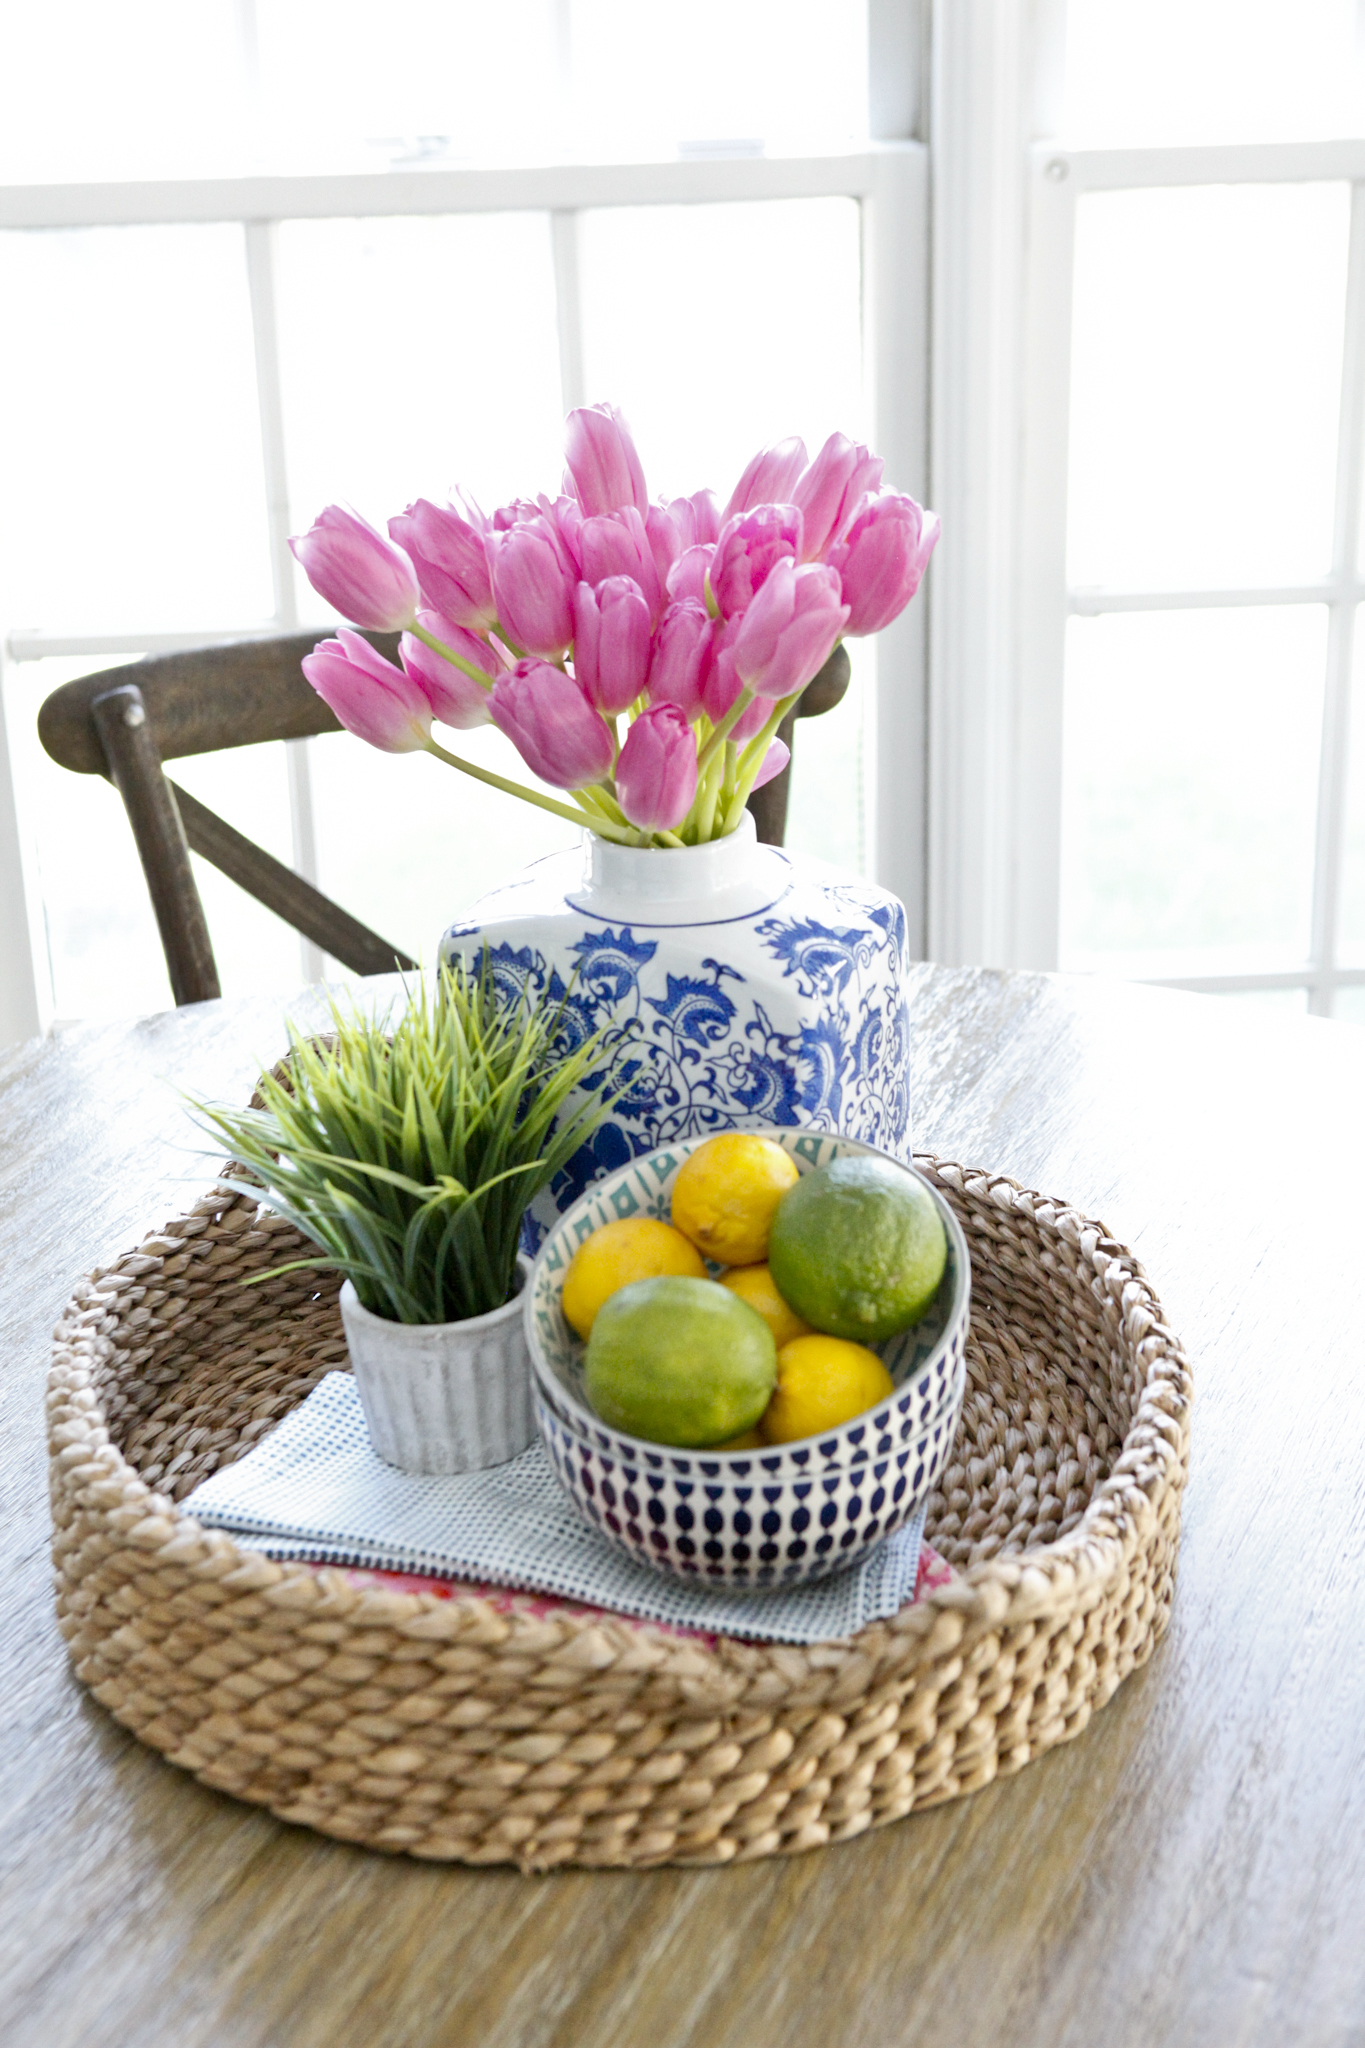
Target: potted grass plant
407, 1149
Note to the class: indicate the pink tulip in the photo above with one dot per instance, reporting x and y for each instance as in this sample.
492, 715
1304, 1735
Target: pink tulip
611, 642
829, 491
533, 585
749, 547
455, 698
447, 552
721, 684
664, 535
603, 464
680, 649
696, 518
687, 577
774, 761
656, 776
790, 629
362, 575
371, 697
769, 478
882, 558
550, 722
617, 544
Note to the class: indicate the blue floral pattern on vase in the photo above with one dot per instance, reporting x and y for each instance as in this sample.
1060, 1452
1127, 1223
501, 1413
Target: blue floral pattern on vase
796, 1015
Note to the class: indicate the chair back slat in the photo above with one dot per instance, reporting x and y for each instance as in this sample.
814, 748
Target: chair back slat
200, 701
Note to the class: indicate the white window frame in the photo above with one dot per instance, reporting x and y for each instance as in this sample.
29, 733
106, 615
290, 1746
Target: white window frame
1058, 177
888, 179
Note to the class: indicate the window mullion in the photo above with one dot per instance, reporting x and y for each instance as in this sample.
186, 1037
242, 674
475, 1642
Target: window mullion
261, 239
565, 249
1336, 711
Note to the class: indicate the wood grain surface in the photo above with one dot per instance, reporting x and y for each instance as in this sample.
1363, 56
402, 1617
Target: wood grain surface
1191, 1870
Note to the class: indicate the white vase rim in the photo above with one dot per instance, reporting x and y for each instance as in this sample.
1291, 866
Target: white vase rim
512, 1306
729, 877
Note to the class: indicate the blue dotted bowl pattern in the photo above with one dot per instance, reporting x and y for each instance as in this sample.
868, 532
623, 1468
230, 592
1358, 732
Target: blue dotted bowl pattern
746, 1518
732, 1523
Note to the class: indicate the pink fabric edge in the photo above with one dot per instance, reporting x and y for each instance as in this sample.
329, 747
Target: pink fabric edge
932, 1574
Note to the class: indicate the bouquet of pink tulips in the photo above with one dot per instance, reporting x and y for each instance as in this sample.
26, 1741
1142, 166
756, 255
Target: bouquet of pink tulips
556, 619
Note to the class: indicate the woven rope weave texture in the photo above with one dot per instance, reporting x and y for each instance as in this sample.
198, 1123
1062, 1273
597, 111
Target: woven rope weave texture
442, 1727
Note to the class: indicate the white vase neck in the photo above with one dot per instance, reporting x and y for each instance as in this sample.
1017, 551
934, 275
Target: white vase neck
729, 877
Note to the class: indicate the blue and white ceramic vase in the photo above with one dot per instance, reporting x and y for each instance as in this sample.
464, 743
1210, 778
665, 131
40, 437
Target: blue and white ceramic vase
739, 982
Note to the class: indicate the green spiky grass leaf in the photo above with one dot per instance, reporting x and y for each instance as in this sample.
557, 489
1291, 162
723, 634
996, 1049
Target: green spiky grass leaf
409, 1149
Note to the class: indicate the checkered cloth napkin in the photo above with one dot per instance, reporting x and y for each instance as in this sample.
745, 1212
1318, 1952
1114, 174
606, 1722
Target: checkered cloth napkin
314, 1489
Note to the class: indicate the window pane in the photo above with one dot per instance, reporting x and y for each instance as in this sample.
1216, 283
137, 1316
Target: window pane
147, 88
1189, 782
826, 808
1207, 366
781, 73
1291, 1001
129, 434
1210, 70
1349, 1005
104, 952
455, 80
703, 392
407, 843
417, 354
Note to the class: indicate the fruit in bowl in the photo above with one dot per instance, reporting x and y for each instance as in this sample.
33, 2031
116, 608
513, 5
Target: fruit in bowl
820, 1265
756, 1509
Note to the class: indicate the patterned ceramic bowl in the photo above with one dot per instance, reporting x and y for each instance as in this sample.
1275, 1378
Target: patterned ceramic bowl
748, 1518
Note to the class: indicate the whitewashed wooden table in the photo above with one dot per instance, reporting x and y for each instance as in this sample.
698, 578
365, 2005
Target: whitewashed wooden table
1191, 1870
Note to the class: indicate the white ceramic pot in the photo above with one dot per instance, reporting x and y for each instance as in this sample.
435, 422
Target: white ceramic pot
443, 1397
738, 983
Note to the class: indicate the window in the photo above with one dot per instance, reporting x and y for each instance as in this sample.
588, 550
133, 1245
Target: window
345, 274
1193, 414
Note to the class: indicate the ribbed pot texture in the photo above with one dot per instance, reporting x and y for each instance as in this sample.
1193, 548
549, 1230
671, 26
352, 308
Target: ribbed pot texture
443, 1397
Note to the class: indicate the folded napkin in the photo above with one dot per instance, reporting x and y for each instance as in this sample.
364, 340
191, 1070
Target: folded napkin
315, 1490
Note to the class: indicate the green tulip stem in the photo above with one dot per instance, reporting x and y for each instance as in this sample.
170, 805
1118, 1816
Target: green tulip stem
605, 827
476, 675
752, 759
726, 726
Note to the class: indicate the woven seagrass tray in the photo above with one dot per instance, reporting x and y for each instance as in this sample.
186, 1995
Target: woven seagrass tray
450, 1723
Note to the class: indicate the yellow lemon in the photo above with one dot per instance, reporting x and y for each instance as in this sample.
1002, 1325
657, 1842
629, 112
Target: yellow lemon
755, 1284
726, 1195
633, 1248
822, 1382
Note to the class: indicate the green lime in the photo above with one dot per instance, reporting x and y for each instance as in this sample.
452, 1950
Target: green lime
679, 1361
858, 1249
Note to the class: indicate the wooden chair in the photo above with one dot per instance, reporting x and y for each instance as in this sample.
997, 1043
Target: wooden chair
124, 722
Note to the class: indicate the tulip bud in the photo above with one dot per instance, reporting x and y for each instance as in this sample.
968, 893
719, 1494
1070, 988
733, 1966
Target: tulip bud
455, 698
665, 540
656, 776
617, 544
721, 683
687, 577
550, 722
680, 649
362, 575
749, 547
371, 697
533, 585
696, 518
603, 465
447, 552
611, 643
790, 629
882, 558
829, 491
769, 478
774, 761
